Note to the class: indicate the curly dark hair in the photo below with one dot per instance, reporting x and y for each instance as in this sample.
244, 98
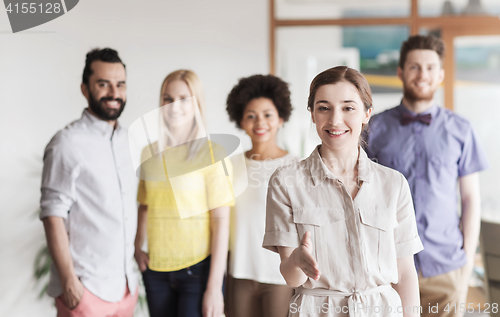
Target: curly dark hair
257, 86
105, 55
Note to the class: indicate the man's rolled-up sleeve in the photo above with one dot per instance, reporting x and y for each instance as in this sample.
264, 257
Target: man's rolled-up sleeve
60, 171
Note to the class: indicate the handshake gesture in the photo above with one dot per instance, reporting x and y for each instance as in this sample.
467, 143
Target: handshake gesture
302, 258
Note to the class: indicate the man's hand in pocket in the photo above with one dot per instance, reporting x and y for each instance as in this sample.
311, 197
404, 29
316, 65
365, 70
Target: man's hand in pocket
73, 293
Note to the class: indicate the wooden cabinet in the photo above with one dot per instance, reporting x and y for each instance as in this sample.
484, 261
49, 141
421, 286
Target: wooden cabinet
490, 249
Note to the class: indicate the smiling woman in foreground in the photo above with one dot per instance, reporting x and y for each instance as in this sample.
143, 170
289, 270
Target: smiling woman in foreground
343, 225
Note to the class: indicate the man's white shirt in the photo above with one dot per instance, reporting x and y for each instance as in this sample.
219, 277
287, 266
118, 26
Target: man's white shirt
89, 181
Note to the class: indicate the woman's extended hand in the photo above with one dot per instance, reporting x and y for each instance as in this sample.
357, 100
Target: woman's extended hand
302, 258
142, 259
213, 302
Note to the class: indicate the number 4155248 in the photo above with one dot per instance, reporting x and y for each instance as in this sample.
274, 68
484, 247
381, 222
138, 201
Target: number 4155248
34, 8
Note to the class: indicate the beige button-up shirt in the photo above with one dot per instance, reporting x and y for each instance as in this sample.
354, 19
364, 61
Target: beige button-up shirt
356, 243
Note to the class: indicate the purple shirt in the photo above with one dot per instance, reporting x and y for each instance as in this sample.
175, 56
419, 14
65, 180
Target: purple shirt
432, 158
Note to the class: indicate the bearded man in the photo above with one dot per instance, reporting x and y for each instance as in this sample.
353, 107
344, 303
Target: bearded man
88, 203
434, 149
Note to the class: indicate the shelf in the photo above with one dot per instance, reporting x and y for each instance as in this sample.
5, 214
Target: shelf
451, 26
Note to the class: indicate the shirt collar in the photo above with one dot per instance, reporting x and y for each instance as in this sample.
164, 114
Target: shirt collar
100, 125
432, 110
363, 166
319, 171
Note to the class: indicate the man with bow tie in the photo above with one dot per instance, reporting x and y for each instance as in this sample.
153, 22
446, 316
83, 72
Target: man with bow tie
434, 149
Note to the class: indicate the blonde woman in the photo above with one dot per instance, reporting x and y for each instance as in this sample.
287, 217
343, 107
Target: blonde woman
183, 270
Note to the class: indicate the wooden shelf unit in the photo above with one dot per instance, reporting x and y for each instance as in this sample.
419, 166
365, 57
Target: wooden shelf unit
450, 27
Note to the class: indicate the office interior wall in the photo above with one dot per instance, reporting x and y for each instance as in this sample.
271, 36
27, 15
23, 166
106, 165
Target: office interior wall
40, 76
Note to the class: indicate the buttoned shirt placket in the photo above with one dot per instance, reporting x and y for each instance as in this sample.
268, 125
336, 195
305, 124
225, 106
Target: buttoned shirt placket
124, 218
356, 243
352, 217
420, 159
419, 167
351, 214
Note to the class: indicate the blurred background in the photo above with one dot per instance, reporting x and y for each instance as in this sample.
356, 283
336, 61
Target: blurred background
222, 41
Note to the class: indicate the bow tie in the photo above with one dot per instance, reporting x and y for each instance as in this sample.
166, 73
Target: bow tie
407, 118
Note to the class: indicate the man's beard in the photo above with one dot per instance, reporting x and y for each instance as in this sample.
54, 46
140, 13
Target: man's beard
101, 111
411, 95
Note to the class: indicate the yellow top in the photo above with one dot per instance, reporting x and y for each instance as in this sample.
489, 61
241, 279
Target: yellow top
179, 193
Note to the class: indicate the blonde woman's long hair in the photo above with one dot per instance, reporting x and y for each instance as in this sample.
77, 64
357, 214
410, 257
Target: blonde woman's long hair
166, 139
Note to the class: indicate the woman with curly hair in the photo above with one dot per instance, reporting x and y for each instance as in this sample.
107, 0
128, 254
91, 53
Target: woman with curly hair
259, 105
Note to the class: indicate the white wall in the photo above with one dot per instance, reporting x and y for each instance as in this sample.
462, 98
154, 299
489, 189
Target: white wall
302, 53
40, 75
